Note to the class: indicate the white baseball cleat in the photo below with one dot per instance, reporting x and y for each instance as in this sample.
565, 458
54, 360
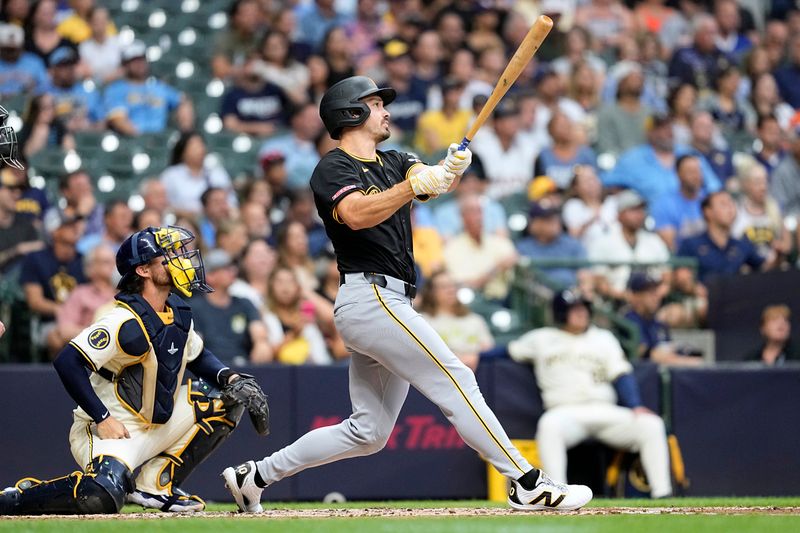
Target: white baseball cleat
241, 484
548, 495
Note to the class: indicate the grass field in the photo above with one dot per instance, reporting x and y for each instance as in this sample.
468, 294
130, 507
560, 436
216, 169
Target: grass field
684, 515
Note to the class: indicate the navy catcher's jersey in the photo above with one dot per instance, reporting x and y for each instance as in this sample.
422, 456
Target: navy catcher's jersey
382, 249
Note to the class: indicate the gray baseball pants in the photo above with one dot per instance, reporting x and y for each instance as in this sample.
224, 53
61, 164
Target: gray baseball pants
393, 346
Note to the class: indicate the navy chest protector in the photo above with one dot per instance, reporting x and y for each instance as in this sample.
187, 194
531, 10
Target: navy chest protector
168, 342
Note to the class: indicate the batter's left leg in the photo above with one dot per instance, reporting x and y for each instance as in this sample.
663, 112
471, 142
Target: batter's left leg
377, 396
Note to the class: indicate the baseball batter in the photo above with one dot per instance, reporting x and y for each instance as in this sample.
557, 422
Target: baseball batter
582, 372
126, 372
364, 197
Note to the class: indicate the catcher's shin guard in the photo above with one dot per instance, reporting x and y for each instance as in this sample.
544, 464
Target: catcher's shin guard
214, 423
101, 490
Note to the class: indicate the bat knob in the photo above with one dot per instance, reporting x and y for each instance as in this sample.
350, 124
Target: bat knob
464, 143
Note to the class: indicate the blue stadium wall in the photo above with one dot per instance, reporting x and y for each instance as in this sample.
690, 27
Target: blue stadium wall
739, 431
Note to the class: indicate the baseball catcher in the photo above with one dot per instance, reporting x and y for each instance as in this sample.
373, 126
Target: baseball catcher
126, 373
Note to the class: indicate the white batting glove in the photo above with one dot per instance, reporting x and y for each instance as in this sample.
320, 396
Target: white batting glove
431, 181
457, 160
449, 177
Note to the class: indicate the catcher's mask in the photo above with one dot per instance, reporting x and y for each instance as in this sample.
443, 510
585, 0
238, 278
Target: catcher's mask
8, 142
185, 266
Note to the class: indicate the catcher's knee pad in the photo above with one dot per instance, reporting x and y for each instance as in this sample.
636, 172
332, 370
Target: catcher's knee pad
111, 476
101, 490
215, 422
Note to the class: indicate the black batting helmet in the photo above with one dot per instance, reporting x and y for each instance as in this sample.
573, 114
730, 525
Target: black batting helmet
566, 300
341, 106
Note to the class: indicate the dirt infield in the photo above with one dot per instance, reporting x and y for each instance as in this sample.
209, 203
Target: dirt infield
385, 512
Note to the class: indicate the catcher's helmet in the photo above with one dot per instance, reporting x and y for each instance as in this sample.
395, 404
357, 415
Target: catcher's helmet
184, 265
341, 106
566, 300
8, 142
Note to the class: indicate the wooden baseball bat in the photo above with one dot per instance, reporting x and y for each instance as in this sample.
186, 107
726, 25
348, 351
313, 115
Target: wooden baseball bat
528, 47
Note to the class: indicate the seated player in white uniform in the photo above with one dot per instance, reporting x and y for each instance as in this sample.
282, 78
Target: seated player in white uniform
126, 372
582, 373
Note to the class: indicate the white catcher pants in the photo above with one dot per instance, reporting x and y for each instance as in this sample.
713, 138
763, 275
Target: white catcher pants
563, 427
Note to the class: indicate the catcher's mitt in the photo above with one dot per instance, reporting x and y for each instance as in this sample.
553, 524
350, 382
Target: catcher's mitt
247, 392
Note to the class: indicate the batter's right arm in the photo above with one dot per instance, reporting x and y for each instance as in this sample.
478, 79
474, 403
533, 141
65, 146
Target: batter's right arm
360, 211
365, 211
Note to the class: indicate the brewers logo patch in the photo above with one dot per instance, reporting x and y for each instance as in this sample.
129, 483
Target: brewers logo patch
99, 338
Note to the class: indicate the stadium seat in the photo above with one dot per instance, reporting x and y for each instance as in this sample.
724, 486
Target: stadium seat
164, 139
164, 68
222, 141
15, 103
48, 163
515, 203
89, 147
132, 160
194, 87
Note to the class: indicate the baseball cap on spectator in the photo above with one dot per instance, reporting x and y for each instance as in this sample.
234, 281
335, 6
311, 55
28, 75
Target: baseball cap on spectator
540, 187
217, 259
11, 36
450, 83
135, 50
506, 108
543, 210
542, 73
63, 55
623, 69
657, 120
642, 282
629, 199
57, 218
271, 158
478, 101
395, 49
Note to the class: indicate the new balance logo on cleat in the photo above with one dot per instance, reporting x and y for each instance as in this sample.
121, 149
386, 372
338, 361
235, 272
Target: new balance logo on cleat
548, 495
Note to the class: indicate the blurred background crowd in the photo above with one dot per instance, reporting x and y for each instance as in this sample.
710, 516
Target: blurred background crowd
650, 148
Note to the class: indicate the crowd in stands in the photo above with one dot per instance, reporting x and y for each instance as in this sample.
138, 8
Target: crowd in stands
643, 131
